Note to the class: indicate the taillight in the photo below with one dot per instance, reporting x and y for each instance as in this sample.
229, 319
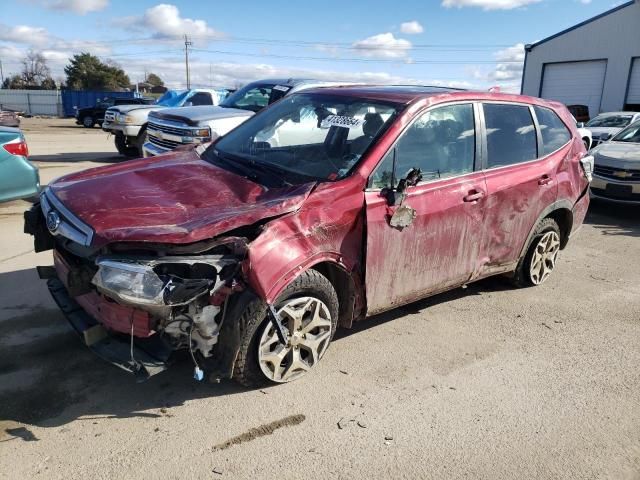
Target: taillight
587, 167
18, 148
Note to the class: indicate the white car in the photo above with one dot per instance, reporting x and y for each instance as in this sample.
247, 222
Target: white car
171, 127
129, 122
606, 125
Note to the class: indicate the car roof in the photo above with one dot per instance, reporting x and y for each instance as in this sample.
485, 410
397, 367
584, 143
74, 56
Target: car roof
615, 114
405, 94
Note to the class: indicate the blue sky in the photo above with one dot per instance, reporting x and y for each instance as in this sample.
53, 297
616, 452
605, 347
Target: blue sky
468, 43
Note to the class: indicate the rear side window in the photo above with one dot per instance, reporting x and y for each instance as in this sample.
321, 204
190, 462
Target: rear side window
554, 132
511, 134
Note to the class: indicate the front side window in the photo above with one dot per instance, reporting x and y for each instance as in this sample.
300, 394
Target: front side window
511, 134
554, 132
303, 137
441, 143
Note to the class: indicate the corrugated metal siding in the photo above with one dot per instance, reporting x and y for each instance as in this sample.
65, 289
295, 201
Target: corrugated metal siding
32, 102
72, 99
633, 93
575, 83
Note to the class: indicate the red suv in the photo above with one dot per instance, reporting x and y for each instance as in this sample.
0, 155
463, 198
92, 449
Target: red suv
332, 205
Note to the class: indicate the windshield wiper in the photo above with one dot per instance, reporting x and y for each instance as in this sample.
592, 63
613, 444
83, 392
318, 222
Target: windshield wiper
248, 167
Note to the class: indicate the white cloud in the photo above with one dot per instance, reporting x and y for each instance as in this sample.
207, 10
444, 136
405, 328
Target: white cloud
383, 45
508, 71
25, 34
78, 6
411, 28
488, 4
164, 21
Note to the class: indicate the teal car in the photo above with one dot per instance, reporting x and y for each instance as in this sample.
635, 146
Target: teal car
18, 177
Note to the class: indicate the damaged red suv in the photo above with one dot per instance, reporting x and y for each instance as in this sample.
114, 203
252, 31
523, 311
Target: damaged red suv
332, 205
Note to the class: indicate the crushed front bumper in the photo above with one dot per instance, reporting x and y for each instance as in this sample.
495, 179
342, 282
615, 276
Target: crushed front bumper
147, 357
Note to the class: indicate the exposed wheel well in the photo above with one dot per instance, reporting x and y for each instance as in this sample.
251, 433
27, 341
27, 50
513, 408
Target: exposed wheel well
564, 219
344, 287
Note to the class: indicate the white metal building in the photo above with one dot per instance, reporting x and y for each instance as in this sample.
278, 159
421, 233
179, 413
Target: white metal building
595, 63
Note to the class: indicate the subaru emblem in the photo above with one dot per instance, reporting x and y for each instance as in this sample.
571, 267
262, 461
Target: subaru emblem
53, 221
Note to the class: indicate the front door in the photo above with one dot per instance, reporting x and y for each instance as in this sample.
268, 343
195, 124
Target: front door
442, 244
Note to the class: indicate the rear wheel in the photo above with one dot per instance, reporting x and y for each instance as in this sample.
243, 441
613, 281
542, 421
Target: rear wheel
540, 260
88, 121
308, 309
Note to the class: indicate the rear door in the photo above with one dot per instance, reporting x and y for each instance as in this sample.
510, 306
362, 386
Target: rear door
441, 245
520, 184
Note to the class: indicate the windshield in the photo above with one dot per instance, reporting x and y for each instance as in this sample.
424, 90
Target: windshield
304, 137
172, 98
630, 134
614, 121
255, 97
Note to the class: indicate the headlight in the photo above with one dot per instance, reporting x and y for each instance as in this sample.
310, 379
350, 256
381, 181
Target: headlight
121, 118
201, 132
158, 283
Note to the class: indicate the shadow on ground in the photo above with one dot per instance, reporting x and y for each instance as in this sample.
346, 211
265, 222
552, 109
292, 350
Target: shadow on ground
614, 219
97, 157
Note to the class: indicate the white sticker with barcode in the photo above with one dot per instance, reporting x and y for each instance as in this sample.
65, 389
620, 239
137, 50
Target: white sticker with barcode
282, 88
341, 121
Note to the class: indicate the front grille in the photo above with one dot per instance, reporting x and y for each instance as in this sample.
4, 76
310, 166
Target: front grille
163, 143
620, 174
616, 195
181, 132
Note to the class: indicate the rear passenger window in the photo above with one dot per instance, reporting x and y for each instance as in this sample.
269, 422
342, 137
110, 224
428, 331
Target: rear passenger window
511, 135
554, 132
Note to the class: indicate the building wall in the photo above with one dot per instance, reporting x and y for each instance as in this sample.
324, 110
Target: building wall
614, 37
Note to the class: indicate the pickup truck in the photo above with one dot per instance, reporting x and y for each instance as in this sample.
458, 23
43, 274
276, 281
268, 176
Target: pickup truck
89, 116
128, 123
170, 128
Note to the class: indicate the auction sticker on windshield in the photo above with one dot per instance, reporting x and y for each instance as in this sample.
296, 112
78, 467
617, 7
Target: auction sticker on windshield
341, 121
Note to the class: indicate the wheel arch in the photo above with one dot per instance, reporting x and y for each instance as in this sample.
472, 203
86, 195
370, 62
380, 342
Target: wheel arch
562, 212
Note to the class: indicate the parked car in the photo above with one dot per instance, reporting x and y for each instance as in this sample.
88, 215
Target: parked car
580, 112
18, 177
606, 125
584, 133
129, 122
616, 175
250, 256
89, 116
9, 118
170, 128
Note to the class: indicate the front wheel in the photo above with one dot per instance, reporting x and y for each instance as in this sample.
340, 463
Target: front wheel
308, 309
88, 121
541, 256
123, 146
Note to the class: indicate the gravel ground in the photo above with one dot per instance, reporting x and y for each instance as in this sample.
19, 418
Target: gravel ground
484, 382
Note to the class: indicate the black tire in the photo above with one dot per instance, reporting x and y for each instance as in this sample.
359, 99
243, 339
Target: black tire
587, 143
140, 139
123, 146
88, 121
247, 370
522, 276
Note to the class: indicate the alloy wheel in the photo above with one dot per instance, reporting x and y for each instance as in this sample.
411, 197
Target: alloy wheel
544, 257
308, 322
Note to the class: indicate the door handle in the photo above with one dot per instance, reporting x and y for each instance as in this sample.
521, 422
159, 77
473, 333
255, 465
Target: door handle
473, 196
545, 180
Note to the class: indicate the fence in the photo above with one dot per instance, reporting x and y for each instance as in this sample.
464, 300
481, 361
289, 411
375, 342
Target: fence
54, 102
32, 102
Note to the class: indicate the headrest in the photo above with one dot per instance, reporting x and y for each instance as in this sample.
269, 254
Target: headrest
372, 124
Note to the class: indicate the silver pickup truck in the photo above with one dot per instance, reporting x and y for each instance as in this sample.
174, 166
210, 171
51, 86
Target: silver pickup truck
170, 128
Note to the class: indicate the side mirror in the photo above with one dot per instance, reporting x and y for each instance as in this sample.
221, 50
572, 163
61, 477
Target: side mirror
395, 196
606, 137
188, 104
580, 124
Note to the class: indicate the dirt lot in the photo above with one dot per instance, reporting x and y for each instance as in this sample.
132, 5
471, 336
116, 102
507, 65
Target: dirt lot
484, 382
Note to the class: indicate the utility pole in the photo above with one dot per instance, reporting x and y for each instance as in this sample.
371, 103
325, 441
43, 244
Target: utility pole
1, 75
187, 44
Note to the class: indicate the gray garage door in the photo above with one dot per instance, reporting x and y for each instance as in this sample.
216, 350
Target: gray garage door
633, 94
575, 83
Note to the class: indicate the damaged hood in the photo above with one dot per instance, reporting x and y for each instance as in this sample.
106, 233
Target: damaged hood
174, 198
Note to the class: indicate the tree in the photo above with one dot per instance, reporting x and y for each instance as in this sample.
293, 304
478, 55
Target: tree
155, 80
14, 82
34, 69
87, 72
